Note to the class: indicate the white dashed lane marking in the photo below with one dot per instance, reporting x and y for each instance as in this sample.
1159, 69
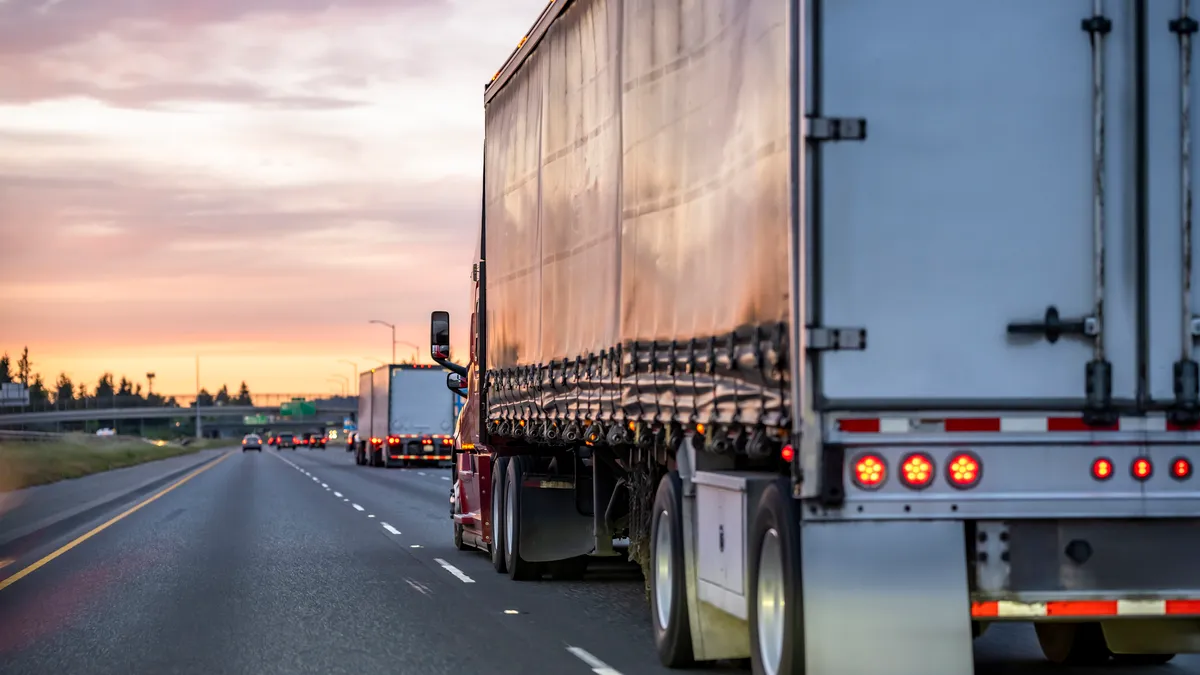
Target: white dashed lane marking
389, 528
357, 507
599, 667
338, 495
455, 571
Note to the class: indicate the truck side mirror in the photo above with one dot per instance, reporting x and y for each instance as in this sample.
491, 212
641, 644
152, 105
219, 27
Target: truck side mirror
455, 381
439, 335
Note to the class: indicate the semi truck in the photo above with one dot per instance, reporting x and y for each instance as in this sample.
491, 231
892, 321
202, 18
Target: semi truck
869, 325
405, 416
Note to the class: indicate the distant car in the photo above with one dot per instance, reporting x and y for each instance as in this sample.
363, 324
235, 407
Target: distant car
316, 441
285, 441
252, 442
351, 439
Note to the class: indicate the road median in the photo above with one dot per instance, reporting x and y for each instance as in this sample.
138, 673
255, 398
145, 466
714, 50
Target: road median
29, 463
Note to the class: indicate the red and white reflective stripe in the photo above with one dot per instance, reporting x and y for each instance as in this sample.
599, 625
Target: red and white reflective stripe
445, 458
970, 425
1007, 609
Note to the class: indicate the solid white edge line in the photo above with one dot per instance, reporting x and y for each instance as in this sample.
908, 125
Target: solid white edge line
599, 667
338, 495
357, 507
455, 571
389, 528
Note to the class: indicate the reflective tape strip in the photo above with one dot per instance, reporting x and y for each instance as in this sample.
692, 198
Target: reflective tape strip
430, 457
1007, 609
991, 425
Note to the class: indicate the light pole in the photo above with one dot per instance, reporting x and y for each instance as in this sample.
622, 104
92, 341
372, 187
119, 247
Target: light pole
416, 349
341, 379
150, 381
393, 327
354, 382
198, 433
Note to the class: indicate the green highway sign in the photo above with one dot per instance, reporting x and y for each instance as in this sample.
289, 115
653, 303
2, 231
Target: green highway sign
252, 420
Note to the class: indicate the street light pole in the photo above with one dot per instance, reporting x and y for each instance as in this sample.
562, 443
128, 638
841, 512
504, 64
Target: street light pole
393, 327
198, 432
354, 382
341, 380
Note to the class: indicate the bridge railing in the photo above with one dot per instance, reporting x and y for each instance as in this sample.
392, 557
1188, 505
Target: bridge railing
166, 401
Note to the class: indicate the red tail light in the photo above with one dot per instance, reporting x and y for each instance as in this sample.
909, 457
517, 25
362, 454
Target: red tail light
788, 453
1102, 468
964, 470
917, 470
1142, 468
1181, 468
870, 472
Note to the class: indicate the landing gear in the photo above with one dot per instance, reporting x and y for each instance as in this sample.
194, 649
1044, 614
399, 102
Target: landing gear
775, 609
518, 568
668, 585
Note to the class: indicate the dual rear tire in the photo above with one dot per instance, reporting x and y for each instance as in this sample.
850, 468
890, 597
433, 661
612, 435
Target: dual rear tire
774, 609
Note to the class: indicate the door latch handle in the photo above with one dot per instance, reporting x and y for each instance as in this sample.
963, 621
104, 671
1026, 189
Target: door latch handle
1053, 326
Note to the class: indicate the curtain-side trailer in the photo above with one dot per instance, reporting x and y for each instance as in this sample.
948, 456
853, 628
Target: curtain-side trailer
843, 388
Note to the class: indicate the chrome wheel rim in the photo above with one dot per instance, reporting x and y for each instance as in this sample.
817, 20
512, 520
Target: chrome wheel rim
664, 574
509, 507
771, 603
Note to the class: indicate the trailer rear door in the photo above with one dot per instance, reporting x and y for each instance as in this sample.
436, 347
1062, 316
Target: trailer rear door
974, 199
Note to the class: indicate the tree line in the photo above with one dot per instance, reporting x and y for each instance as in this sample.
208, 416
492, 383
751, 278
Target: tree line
65, 394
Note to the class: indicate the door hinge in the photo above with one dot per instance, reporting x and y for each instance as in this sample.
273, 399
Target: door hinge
836, 339
836, 128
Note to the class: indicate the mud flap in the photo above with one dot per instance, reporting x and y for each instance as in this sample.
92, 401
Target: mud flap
901, 585
551, 526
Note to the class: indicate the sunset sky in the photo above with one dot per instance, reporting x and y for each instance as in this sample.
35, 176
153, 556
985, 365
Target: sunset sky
250, 180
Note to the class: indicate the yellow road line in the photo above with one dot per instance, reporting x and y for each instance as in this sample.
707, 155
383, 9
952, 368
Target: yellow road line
99, 528
5, 563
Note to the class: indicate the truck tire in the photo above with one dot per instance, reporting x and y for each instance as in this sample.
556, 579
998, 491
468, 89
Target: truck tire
499, 475
668, 583
1073, 644
776, 639
458, 538
518, 569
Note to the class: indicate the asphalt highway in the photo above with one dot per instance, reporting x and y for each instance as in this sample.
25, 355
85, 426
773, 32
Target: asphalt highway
301, 562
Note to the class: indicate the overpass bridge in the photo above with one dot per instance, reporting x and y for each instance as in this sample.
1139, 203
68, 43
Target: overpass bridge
324, 408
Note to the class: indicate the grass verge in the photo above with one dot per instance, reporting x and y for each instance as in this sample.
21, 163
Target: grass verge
28, 463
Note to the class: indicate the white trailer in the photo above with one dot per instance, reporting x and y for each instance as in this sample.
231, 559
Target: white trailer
888, 304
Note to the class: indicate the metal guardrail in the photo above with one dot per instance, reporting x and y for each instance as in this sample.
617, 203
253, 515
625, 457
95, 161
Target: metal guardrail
29, 435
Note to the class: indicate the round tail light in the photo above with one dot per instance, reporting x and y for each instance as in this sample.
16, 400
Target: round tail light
964, 470
917, 470
1142, 468
1181, 468
869, 472
1102, 469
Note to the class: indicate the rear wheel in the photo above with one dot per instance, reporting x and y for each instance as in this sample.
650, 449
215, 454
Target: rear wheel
1073, 644
668, 585
499, 475
776, 641
518, 569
